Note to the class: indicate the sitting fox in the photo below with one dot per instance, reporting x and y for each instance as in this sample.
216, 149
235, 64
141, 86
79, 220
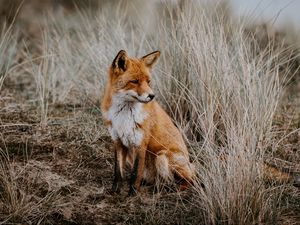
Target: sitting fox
144, 135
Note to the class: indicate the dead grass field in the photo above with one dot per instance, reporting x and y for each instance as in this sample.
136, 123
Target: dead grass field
230, 89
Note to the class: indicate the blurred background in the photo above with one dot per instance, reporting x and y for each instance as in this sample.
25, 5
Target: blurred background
281, 13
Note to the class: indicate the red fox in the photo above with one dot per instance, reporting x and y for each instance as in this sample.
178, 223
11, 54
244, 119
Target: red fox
144, 135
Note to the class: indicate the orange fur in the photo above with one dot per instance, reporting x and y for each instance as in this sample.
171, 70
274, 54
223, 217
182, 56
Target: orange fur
161, 151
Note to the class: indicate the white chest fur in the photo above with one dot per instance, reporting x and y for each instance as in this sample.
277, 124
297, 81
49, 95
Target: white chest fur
125, 117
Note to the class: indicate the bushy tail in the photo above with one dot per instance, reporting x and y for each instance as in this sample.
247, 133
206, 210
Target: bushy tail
163, 167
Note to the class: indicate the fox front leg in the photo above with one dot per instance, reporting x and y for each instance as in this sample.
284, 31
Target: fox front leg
137, 171
120, 160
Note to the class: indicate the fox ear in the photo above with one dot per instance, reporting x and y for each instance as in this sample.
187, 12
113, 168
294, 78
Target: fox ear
121, 61
151, 58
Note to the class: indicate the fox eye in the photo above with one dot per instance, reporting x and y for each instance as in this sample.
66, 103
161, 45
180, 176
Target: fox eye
148, 81
134, 81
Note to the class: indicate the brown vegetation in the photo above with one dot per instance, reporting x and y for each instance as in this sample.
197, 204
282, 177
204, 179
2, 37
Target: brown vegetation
230, 90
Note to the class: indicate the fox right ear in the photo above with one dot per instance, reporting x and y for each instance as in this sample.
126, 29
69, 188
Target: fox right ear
120, 62
151, 58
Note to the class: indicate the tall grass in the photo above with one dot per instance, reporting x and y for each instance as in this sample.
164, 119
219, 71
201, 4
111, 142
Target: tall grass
224, 97
221, 93
82, 46
8, 48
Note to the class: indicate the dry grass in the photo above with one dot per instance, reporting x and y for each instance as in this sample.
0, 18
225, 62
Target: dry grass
19, 202
221, 86
8, 43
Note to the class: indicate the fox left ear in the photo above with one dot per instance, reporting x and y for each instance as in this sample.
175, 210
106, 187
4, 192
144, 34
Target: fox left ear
151, 58
120, 62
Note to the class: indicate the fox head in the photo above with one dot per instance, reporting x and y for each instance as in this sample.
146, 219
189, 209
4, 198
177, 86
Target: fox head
130, 77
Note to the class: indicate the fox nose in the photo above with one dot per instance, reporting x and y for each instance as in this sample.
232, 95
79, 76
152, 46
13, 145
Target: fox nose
151, 96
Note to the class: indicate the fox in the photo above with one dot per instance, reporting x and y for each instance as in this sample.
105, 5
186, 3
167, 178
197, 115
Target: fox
144, 135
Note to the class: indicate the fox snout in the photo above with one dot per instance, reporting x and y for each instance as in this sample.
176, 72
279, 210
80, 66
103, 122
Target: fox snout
151, 96
145, 92
146, 97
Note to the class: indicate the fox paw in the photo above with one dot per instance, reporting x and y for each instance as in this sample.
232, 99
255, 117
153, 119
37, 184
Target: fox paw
132, 191
116, 188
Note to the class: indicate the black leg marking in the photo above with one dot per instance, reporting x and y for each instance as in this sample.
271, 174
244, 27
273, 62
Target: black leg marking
117, 182
132, 188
